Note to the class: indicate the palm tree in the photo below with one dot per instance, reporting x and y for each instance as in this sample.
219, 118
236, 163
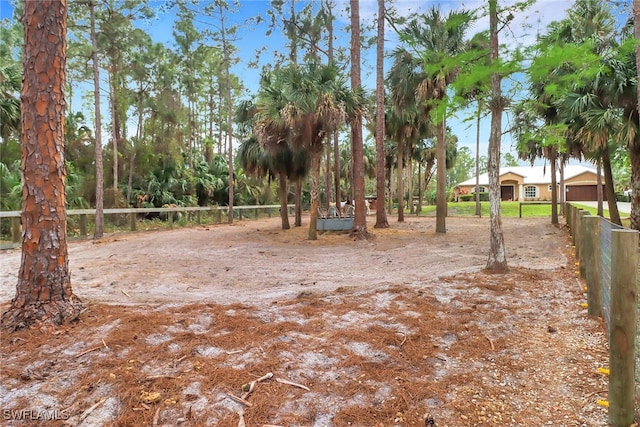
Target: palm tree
439, 38
10, 82
591, 108
309, 102
534, 123
409, 120
275, 161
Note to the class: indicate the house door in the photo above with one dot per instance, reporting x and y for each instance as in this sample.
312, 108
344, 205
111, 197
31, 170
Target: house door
506, 192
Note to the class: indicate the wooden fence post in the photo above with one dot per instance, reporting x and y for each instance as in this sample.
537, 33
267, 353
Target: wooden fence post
133, 221
83, 225
15, 230
583, 243
577, 232
622, 327
592, 264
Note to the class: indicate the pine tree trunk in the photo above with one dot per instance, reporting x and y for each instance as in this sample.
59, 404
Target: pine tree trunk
43, 292
497, 255
227, 73
98, 230
336, 171
360, 221
381, 213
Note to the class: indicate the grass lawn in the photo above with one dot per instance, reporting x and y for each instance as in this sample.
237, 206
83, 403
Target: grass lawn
509, 209
626, 221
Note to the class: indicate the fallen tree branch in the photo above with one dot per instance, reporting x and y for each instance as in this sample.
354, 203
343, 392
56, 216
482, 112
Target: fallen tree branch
249, 387
240, 400
404, 339
156, 417
265, 377
158, 377
86, 413
588, 395
89, 351
490, 342
304, 387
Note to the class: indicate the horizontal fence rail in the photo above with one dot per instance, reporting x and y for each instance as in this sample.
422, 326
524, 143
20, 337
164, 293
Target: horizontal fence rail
135, 215
608, 259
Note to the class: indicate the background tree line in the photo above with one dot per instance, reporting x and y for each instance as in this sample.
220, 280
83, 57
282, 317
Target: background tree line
173, 114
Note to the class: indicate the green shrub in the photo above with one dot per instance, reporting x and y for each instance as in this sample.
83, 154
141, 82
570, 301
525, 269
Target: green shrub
622, 197
484, 197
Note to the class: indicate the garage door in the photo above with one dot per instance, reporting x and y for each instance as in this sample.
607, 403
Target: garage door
583, 193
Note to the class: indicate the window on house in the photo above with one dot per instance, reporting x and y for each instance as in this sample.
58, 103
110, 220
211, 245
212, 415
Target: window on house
531, 191
480, 188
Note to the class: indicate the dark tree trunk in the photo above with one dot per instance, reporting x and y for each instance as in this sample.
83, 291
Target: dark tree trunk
441, 172
282, 196
553, 158
599, 193
298, 204
400, 184
43, 292
478, 207
609, 189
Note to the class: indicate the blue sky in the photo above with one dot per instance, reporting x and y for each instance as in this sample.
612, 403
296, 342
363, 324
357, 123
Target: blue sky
251, 38
523, 28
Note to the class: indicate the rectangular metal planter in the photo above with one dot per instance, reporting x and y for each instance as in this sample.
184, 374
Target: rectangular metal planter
331, 224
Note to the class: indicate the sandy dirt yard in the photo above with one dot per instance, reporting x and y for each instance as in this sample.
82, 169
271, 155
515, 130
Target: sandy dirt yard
403, 329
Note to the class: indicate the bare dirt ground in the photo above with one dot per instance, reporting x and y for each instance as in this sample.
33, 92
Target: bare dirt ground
398, 330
